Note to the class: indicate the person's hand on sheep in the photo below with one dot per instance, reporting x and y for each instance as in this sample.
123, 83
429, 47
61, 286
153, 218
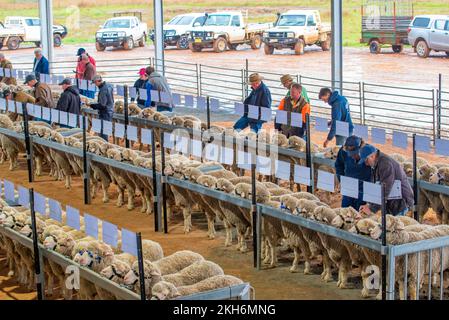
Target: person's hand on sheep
364, 209
325, 143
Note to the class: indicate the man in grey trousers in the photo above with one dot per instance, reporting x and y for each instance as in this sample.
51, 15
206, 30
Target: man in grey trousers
105, 105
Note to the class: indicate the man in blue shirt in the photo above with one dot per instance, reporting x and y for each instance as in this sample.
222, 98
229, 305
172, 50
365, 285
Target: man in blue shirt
40, 64
347, 164
340, 112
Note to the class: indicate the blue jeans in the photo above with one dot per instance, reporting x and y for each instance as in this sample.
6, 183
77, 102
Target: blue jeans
403, 212
351, 202
244, 122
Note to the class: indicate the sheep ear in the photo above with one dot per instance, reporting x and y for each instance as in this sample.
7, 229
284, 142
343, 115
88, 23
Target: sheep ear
155, 273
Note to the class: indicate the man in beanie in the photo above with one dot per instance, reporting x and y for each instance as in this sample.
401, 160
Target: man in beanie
105, 105
42, 92
347, 164
6, 64
159, 83
143, 83
287, 81
260, 96
70, 98
387, 171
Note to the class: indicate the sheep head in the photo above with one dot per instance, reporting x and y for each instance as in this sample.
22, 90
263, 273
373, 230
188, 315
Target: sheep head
5, 122
393, 226
441, 176
114, 154
56, 136
225, 185
426, 171
192, 173
116, 271
331, 152
364, 226
398, 157
297, 143
408, 168
207, 181
146, 113
164, 290
280, 140
177, 121
290, 203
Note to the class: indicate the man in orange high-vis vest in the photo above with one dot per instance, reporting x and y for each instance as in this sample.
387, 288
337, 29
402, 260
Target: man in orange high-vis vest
295, 103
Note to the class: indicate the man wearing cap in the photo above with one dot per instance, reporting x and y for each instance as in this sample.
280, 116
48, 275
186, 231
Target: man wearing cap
287, 81
88, 74
340, 112
143, 83
260, 96
296, 103
42, 91
40, 64
80, 65
347, 164
159, 83
105, 105
387, 171
70, 98
6, 64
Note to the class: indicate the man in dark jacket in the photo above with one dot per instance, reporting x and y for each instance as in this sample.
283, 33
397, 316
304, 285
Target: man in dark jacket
159, 83
387, 171
347, 164
40, 64
89, 72
340, 112
260, 96
105, 105
70, 98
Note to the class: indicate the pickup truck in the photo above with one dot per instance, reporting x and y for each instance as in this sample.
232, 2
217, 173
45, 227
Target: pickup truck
296, 29
9, 36
223, 30
176, 29
30, 31
121, 31
429, 32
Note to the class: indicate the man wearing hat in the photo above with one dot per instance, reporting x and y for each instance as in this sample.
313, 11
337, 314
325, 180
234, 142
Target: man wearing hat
260, 96
347, 164
88, 74
287, 81
6, 64
160, 83
105, 105
389, 172
143, 83
70, 98
80, 65
42, 92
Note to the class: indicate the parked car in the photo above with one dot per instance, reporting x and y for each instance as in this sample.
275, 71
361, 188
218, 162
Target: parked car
175, 31
223, 30
10, 36
429, 32
385, 22
124, 30
296, 29
31, 31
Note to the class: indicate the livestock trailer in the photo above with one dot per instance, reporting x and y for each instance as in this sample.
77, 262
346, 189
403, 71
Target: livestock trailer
385, 22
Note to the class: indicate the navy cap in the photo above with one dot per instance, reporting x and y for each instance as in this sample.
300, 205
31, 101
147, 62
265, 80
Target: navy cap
66, 81
81, 51
29, 78
365, 152
353, 142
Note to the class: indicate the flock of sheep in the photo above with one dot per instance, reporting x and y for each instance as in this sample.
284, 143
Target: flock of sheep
335, 255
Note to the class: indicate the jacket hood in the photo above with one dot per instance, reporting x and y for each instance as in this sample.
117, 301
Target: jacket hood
73, 90
155, 75
334, 96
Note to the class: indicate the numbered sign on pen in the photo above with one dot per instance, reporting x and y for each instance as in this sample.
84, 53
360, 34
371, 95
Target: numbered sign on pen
91, 225
129, 242
282, 170
176, 99
326, 181
263, 165
132, 92
9, 190
132, 133
422, 143
119, 130
55, 210
400, 139
107, 128
372, 193
24, 196
302, 175
110, 233
120, 90
188, 101
361, 131
321, 124
146, 136
214, 104
378, 135
281, 117
73, 217
40, 203
349, 187
227, 155
442, 147
342, 128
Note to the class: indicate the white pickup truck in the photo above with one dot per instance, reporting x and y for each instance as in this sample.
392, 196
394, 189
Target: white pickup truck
121, 31
30, 31
225, 29
296, 29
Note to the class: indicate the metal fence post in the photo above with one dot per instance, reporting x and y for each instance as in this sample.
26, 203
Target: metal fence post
439, 103
362, 116
29, 147
362, 102
243, 84
384, 242
198, 80
246, 77
37, 258
391, 274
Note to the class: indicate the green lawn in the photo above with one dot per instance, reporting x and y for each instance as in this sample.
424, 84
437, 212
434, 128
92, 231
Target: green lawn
92, 14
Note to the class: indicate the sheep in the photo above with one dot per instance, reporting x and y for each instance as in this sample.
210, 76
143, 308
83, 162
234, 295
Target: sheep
408, 168
398, 157
165, 290
11, 146
442, 177
429, 199
177, 261
419, 161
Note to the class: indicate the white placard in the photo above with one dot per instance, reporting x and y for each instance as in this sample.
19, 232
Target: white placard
20, 74
302, 175
73, 217
349, 187
296, 119
396, 191
265, 114
169, 141
2, 104
63, 118
154, 95
14, 73
73, 120
244, 160
214, 104
442, 147
30, 109
129, 242
91, 225
2, 72
143, 95
321, 124
96, 125
422, 143
120, 90
372, 192
201, 103
37, 111
361, 131
165, 97
378, 135
342, 128
176, 99
281, 117
239, 109
253, 112
91, 87
48, 79
400, 139
55, 210
107, 128
132, 133
188, 101
54, 80
110, 233
9, 190
18, 108
263, 165
7, 73
212, 152
227, 155
54, 115
132, 92
42, 78
40, 203
282, 170
46, 115
326, 181
119, 130
197, 148
83, 84
182, 144
146, 136
24, 196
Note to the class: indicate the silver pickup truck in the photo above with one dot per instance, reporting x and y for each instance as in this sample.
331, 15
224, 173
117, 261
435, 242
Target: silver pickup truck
429, 32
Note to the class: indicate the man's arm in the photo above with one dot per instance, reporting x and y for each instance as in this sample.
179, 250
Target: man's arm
340, 164
63, 103
336, 116
386, 176
266, 101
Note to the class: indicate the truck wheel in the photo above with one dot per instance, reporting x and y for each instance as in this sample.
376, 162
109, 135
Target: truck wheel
99, 46
256, 42
37, 44
57, 40
299, 47
233, 46
220, 45
13, 43
195, 48
326, 45
397, 48
422, 49
374, 47
183, 43
268, 49
129, 44
142, 41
